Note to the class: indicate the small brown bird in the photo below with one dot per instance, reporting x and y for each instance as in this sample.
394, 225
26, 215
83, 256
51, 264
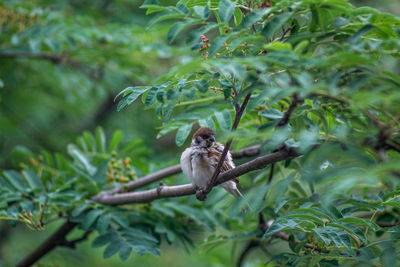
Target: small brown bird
198, 162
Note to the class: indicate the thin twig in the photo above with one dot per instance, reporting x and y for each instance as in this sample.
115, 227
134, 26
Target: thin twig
203, 193
286, 31
285, 119
271, 173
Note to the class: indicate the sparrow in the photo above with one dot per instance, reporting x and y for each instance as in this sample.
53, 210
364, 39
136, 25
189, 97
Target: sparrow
199, 161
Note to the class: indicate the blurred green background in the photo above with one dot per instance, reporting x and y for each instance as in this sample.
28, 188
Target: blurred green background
47, 103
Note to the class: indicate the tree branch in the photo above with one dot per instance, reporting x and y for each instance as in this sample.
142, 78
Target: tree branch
187, 189
202, 194
286, 31
156, 176
49, 244
250, 246
72, 244
285, 119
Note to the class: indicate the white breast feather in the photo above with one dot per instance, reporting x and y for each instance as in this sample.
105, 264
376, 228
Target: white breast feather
186, 163
198, 170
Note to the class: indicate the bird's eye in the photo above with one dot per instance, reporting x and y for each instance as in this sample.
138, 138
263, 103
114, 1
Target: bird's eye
204, 136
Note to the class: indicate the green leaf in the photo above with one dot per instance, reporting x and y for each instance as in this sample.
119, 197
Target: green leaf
182, 134
359, 221
151, 96
182, 8
131, 97
193, 213
237, 16
124, 252
275, 24
273, 114
167, 15
314, 211
225, 10
351, 229
90, 218
202, 85
100, 139
279, 225
103, 222
166, 130
217, 44
103, 240
115, 140
207, 122
202, 11
254, 16
79, 209
89, 141
100, 175
178, 27
112, 248
32, 179
389, 254
355, 38
81, 159
304, 215
314, 22
280, 205
224, 119
15, 180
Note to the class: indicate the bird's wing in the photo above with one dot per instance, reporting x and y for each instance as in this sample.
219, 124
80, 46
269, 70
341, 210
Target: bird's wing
214, 155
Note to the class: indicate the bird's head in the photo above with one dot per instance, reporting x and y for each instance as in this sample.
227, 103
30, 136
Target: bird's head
204, 137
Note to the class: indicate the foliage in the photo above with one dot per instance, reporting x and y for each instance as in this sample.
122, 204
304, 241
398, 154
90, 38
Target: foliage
62, 66
322, 81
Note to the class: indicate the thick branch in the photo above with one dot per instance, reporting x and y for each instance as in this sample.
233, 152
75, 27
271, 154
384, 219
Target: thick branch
72, 244
156, 176
148, 179
48, 245
187, 189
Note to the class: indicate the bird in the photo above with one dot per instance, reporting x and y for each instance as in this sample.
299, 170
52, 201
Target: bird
200, 159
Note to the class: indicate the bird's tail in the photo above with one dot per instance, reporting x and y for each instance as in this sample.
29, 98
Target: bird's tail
236, 193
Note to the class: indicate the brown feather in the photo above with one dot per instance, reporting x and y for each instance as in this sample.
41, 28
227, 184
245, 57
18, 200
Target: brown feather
204, 131
214, 155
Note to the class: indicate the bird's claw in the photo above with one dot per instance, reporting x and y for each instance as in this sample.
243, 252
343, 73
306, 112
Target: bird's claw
159, 187
201, 194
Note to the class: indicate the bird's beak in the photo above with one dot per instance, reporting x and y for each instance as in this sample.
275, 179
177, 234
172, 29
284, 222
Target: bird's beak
212, 139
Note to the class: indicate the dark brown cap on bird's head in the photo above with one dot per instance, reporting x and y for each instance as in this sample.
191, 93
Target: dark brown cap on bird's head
204, 131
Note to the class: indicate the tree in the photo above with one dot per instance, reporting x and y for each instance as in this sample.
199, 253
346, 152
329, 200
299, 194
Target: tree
304, 88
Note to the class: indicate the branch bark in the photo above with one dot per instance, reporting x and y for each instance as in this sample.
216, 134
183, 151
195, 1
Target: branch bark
156, 176
202, 194
49, 244
285, 119
187, 189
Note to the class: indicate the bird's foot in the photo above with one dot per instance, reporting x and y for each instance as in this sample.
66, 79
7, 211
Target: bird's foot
201, 194
159, 187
